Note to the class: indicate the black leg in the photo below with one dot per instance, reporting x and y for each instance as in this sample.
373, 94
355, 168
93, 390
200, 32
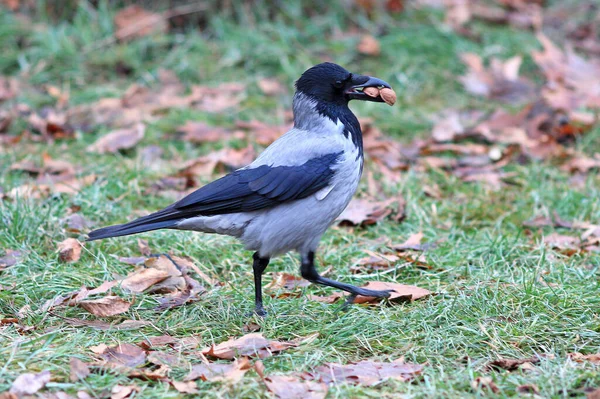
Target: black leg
309, 272
259, 265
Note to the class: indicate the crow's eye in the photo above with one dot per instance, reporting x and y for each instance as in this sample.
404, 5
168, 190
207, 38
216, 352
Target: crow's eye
338, 84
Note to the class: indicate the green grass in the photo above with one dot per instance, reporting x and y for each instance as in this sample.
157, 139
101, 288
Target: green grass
487, 271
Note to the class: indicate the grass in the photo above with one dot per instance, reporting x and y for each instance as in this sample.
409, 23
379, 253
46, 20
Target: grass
499, 291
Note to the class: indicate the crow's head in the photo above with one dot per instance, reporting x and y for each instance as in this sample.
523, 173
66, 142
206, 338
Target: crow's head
332, 84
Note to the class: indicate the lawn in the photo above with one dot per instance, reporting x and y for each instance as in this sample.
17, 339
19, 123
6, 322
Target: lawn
499, 290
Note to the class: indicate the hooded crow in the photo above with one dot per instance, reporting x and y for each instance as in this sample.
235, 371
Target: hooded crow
287, 198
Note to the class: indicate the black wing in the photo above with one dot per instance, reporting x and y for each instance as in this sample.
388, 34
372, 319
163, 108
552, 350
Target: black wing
244, 190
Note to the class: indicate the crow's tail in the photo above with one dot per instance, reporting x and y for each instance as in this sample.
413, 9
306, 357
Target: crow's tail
164, 219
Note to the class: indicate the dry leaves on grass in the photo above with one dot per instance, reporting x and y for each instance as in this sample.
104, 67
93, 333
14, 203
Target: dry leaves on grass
121, 139
79, 370
485, 383
122, 392
29, 383
363, 211
254, 344
66, 185
369, 45
10, 258
286, 281
500, 82
292, 387
512, 364
122, 355
580, 358
69, 250
107, 306
401, 292
134, 22
200, 132
365, 372
230, 372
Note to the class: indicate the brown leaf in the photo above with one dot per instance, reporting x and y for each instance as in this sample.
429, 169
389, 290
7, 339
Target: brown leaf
174, 277
270, 86
9, 88
286, 281
531, 389
69, 250
123, 355
104, 307
580, 358
263, 133
79, 370
29, 383
292, 387
401, 292
161, 340
500, 82
121, 139
561, 241
413, 242
67, 185
142, 279
231, 372
485, 383
365, 212
253, 344
369, 45
200, 132
167, 359
365, 372
134, 21
595, 394
185, 387
76, 223
11, 258
511, 364
219, 98
122, 392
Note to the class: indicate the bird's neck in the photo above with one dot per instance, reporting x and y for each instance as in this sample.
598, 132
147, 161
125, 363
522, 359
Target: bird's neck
317, 116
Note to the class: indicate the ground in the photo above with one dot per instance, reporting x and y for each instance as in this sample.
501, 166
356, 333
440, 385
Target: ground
499, 292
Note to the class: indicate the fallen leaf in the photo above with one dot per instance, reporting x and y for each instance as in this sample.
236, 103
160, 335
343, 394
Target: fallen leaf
67, 185
561, 241
123, 355
486, 383
142, 279
413, 242
231, 372
365, 212
11, 258
122, 392
200, 132
253, 344
292, 387
369, 45
29, 383
401, 292
595, 394
286, 281
185, 387
134, 22
104, 307
121, 139
500, 82
531, 389
79, 369
580, 358
219, 98
161, 340
174, 281
270, 86
511, 364
76, 223
365, 372
69, 250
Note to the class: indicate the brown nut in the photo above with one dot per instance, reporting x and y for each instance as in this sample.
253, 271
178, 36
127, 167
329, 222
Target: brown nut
388, 95
371, 91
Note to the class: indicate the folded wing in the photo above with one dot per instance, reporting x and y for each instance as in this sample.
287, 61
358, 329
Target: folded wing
245, 190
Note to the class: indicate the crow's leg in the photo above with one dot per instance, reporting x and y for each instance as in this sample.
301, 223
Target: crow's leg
309, 272
259, 265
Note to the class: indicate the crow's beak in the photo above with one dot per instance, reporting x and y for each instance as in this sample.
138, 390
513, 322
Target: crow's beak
355, 89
